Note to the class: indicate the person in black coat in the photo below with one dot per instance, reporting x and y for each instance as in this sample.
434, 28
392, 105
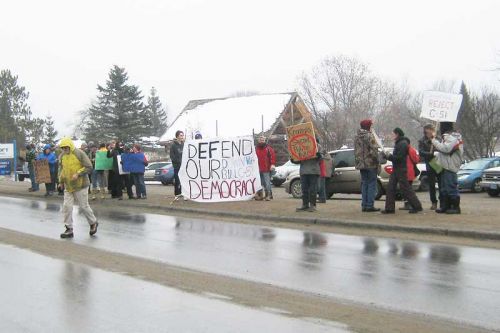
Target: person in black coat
117, 181
176, 158
400, 176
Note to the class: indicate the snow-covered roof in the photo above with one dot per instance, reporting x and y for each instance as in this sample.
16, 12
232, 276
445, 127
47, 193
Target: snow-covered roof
233, 116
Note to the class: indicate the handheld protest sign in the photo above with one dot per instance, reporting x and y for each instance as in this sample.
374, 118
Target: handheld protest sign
302, 141
42, 171
120, 166
102, 162
440, 106
220, 169
133, 162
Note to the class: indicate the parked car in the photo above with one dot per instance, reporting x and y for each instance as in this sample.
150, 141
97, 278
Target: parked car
282, 172
346, 179
470, 174
22, 171
165, 174
149, 173
491, 181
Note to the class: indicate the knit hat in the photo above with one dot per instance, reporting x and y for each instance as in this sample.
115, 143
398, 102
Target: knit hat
366, 124
399, 132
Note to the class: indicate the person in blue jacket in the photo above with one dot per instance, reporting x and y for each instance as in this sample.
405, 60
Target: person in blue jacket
48, 154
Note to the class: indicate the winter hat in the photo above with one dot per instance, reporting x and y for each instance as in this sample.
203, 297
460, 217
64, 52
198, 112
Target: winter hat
197, 135
399, 132
445, 127
366, 124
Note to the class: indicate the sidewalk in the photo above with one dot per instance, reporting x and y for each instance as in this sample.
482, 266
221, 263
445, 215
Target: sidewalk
479, 218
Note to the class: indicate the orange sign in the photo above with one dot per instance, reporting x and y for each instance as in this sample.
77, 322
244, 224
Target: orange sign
302, 142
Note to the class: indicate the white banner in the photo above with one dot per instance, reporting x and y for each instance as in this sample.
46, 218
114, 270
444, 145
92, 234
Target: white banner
6, 150
440, 106
220, 169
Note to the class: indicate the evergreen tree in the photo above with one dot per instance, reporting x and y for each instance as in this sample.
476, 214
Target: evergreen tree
466, 121
118, 112
15, 114
156, 115
50, 132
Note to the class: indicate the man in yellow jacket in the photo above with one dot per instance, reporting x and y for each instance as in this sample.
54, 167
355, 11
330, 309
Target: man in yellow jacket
74, 170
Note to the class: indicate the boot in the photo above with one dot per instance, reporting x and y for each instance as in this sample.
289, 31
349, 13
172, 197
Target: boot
271, 195
312, 200
304, 207
267, 197
93, 197
454, 206
443, 205
103, 191
434, 206
68, 233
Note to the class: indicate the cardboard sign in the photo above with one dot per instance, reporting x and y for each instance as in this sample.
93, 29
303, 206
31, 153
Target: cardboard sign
120, 166
133, 162
102, 162
440, 106
302, 142
220, 169
6, 150
42, 171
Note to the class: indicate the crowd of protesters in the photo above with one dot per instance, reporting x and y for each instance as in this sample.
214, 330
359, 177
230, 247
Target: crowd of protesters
73, 171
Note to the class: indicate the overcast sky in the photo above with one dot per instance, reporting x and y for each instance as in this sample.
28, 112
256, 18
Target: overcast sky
192, 49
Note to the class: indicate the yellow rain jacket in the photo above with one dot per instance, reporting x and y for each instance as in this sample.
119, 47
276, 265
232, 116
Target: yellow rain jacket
74, 162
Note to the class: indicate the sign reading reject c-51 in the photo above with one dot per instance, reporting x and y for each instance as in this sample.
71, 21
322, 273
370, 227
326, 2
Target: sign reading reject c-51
302, 142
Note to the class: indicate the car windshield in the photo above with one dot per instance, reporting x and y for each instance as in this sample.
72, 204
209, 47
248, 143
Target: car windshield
475, 165
154, 166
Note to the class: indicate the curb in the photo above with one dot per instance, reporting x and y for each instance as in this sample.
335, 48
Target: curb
483, 235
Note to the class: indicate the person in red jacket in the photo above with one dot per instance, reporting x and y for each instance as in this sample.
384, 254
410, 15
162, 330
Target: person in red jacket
267, 161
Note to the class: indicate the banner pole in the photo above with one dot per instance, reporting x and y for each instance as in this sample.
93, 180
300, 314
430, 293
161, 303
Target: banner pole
15, 159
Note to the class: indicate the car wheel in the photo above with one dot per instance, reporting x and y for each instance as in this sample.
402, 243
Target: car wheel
476, 186
21, 178
380, 191
493, 193
296, 189
329, 195
424, 184
164, 182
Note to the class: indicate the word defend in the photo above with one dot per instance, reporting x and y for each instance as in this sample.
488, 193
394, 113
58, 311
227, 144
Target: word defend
302, 141
220, 169
440, 106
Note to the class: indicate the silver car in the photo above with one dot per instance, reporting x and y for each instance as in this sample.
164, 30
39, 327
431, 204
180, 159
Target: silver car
149, 173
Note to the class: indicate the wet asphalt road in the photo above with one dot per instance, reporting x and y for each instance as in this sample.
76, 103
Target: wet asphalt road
458, 283
41, 294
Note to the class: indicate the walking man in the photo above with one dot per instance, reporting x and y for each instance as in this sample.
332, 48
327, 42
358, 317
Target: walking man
176, 158
400, 176
267, 160
366, 159
74, 170
426, 152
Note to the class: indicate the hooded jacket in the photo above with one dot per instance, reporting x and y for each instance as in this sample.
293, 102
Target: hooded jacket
74, 162
365, 150
51, 157
450, 151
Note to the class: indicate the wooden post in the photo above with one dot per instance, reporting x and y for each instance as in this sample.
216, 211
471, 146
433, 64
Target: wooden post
291, 106
216, 127
262, 124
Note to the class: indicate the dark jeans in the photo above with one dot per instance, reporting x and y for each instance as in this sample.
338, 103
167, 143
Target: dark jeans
118, 182
51, 187
368, 187
309, 184
177, 182
448, 184
34, 184
140, 186
322, 188
432, 178
399, 176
